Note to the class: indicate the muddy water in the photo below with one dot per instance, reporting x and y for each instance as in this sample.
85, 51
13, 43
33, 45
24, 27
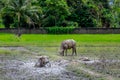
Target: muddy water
14, 68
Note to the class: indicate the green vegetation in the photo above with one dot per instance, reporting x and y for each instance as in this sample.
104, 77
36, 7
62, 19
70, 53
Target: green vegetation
59, 30
77, 69
1, 26
93, 46
55, 40
65, 13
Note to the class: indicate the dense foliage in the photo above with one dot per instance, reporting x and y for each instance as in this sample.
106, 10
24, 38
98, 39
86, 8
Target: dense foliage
61, 13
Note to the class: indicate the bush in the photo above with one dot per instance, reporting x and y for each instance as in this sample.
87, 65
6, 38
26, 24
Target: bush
59, 30
69, 23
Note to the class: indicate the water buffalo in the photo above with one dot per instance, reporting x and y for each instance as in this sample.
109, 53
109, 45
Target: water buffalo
42, 61
68, 44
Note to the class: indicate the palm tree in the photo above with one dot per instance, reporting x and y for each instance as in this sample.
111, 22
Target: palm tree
22, 9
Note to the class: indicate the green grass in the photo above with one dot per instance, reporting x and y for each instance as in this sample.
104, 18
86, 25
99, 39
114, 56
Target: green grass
91, 45
55, 40
88, 45
5, 52
76, 69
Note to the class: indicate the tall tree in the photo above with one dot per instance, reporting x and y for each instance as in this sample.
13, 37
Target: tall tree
90, 13
54, 12
21, 10
116, 12
80, 13
104, 12
6, 18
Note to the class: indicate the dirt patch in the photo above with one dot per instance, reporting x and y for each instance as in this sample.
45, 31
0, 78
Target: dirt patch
19, 70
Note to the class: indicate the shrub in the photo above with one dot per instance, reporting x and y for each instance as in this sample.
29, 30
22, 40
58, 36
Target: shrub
59, 30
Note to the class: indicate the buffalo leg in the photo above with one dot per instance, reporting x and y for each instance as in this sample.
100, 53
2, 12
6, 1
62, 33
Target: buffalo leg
66, 52
63, 53
72, 51
75, 52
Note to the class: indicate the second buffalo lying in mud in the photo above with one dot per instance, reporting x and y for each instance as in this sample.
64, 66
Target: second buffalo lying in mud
68, 44
42, 61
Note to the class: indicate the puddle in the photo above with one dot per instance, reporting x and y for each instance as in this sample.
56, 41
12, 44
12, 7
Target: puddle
51, 68
89, 62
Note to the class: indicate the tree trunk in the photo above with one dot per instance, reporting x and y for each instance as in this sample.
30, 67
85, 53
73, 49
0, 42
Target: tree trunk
19, 32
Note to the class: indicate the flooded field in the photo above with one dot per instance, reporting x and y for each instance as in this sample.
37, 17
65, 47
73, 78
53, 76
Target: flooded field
17, 63
21, 67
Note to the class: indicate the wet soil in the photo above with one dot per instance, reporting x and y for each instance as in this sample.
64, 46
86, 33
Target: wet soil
21, 67
14, 68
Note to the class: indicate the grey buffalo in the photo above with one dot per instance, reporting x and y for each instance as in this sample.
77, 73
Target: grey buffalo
68, 44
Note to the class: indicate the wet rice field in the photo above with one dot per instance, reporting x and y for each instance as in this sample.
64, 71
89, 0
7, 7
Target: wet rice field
21, 67
18, 63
